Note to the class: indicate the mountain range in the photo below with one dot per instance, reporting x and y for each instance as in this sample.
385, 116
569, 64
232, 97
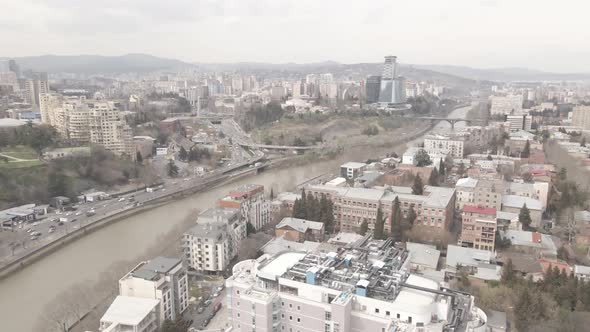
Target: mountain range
96, 64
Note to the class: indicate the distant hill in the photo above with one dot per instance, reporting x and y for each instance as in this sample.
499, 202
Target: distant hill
95, 64
505, 74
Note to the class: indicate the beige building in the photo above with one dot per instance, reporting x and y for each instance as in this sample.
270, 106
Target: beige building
33, 89
443, 145
511, 104
478, 227
581, 117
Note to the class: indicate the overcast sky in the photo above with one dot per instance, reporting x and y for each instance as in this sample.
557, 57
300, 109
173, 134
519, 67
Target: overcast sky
550, 35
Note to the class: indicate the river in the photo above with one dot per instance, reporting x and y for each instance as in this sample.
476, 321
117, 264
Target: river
26, 293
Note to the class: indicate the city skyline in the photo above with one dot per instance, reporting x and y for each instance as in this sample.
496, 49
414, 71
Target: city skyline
355, 33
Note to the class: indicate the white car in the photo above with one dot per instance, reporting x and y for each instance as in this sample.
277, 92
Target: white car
79, 213
69, 214
121, 199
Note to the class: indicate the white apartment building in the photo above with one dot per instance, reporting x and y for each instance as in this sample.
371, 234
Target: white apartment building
363, 287
33, 89
208, 247
131, 314
163, 279
519, 122
511, 104
250, 200
581, 117
443, 145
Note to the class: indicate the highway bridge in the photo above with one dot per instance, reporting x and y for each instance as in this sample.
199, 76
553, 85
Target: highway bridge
279, 147
451, 121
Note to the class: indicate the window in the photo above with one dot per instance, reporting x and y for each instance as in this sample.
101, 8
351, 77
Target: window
283, 304
376, 310
238, 292
238, 314
328, 315
398, 316
298, 320
290, 305
282, 315
290, 317
387, 313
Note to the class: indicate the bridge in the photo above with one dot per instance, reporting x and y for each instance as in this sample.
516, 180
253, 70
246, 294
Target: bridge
451, 121
278, 147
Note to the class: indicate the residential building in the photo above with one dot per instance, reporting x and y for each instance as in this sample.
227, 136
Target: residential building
250, 200
513, 203
511, 104
297, 291
163, 279
582, 272
479, 192
535, 243
351, 170
33, 88
519, 122
476, 262
478, 227
131, 314
299, 230
209, 247
443, 145
581, 117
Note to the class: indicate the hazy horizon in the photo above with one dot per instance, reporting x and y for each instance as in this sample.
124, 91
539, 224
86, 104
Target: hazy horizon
486, 34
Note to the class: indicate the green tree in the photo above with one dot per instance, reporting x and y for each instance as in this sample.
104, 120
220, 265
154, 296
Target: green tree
583, 141
433, 179
250, 229
508, 274
313, 208
562, 174
378, 233
182, 154
396, 221
138, 157
524, 310
524, 217
177, 325
422, 158
461, 170
172, 169
364, 227
60, 185
411, 218
442, 168
417, 187
272, 194
563, 254
526, 152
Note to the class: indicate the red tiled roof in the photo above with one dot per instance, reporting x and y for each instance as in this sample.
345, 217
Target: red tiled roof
536, 237
478, 209
561, 265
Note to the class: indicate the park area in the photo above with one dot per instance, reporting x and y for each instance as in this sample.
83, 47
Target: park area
19, 156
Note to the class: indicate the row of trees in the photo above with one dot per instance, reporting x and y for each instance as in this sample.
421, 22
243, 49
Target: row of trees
312, 208
37, 137
398, 225
536, 301
194, 154
259, 115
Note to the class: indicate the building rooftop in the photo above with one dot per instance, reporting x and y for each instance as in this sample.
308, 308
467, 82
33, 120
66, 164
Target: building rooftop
466, 182
479, 209
352, 164
214, 230
503, 215
128, 310
582, 269
152, 270
518, 202
246, 189
279, 244
217, 215
466, 256
300, 225
423, 254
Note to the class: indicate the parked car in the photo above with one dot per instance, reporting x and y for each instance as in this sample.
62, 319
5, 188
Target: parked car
200, 310
207, 303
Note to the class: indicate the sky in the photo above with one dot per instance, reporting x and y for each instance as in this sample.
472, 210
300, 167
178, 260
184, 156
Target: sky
546, 35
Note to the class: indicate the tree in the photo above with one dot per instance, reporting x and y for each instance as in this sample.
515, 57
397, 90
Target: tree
524, 217
563, 254
461, 170
508, 273
182, 154
422, 158
272, 194
250, 229
441, 164
433, 179
138, 157
379, 223
528, 177
178, 325
417, 187
526, 152
411, 216
364, 227
583, 141
172, 169
562, 174
396, 221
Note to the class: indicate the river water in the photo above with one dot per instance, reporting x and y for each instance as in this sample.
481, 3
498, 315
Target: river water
25, 294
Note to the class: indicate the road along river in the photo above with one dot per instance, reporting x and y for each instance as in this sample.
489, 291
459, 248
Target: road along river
25, 294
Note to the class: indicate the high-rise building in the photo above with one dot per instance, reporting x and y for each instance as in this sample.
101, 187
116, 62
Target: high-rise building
163, 279
581, 117
393, 87
519, 122
365, 286
255, 209
34, 88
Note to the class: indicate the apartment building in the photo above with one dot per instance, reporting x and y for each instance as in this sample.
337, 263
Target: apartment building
478, 227
443, 145
352, 206
511, 104
581, 117
109, 129
250, 200
352, 170
33, 89
519, 122
299, 230
131, 314
163, 279
208, 247
363, 287
479, 192
514, 203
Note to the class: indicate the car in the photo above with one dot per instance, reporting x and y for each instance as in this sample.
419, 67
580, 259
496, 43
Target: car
121, 199
78, 213
207, 303
220, 288
51, 230
200, 310
61, 223
36, 223
68, 213
34, 237
73, 220
54, 219
216, 294
30, 230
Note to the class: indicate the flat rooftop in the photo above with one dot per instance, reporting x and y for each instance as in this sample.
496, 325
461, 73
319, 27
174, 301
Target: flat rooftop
128, 310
